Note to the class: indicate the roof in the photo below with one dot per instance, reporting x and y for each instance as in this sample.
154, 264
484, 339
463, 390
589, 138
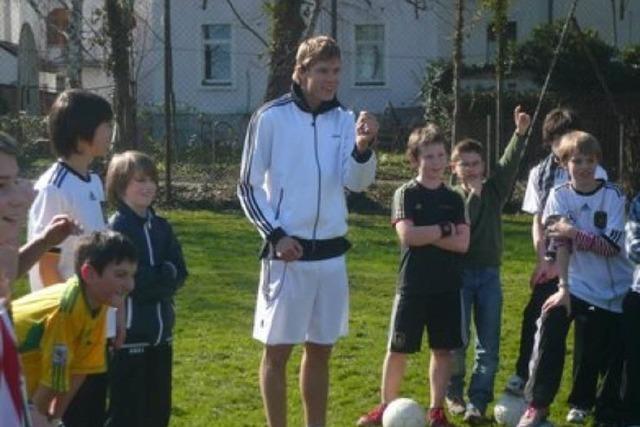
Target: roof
12, 48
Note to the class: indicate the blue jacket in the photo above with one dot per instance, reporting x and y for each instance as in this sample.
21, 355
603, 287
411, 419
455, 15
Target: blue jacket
150, 314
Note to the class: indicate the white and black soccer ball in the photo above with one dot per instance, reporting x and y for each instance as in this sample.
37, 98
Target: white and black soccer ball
403, 412
508, 409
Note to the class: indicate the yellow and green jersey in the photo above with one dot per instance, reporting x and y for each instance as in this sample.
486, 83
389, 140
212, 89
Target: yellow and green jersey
59, 335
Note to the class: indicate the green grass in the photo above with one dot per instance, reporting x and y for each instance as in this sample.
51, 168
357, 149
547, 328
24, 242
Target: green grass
216, 360
215, 374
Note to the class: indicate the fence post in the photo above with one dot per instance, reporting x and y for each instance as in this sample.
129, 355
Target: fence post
488, 144
620, 151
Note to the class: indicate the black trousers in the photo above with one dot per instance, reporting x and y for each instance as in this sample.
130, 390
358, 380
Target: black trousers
88, 407
597, 362
631, 381
140, 387
600, 348
528, 329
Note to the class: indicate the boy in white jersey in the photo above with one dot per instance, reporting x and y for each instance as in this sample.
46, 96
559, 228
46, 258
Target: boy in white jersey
630, 322
585, 217
80, 131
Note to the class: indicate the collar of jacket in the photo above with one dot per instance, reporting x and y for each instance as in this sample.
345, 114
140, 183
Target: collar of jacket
130, 214
298, 99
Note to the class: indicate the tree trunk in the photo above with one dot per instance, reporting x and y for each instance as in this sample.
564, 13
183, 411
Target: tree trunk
500, 22
287, 27
457, 67
74, 47
119, 27
169, 104
334, 19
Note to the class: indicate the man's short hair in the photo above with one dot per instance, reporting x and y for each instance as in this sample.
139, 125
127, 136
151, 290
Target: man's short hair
579, 142
8, 145
467, 146
75, 115
558, 122
121, 170
102, 248
423, 136
313, 50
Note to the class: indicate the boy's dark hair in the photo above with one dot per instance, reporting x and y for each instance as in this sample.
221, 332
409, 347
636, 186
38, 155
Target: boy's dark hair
423, 136
558, 122
8, 145
467, 146
102, 248
122, 169
76, 114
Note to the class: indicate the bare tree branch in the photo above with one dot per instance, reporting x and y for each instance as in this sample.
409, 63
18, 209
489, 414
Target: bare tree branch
317, 7
245, 25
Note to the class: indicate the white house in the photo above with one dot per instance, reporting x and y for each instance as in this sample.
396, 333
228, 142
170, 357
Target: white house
50, 43
220, 67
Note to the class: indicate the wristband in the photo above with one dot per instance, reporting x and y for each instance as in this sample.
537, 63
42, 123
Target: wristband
445, 228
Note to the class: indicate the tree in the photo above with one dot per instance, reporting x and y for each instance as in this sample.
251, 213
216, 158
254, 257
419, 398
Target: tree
574, 72
499, 9
457, 66
287, 31
119, 26
74, 51
169, 100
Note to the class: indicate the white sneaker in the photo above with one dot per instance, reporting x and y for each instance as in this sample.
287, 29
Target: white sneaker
455, 405
577, 416
515, 385
472, 414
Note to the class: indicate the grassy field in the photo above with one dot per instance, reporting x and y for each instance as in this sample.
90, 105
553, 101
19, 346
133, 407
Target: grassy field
215, 371
215, 376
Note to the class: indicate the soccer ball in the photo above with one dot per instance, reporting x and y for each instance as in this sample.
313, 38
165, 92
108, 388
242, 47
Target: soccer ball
404, 412
508, 410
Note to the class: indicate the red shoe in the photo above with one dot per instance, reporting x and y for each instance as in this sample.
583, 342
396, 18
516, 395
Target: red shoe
533, 416
373, 417
437, 418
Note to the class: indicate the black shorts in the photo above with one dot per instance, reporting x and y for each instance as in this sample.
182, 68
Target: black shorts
440, 313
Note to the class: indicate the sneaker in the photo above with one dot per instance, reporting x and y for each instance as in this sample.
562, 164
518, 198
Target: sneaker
472, 414
515, 385
455, 405
373, 417
533, 417
577, 416
437, 418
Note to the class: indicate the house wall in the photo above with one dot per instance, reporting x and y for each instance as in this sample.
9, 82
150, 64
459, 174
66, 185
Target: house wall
8, 68
406, 51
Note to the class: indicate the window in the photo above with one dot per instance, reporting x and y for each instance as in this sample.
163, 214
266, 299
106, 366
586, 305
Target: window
57, 24
217, 55
369, 66
510, 33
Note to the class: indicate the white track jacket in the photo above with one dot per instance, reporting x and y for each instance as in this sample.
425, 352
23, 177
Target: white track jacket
296, 165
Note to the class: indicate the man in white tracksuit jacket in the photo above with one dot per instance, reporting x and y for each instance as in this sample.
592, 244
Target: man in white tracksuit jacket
301, 151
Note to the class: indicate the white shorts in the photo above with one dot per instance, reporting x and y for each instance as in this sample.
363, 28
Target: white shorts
302, 301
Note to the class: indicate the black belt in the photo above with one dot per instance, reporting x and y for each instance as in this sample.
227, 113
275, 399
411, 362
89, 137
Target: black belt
312, 250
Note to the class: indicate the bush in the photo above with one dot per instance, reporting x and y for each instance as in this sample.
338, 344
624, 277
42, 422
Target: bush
31, 134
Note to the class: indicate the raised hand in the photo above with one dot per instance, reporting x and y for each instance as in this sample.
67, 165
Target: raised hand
522, 120
367, 127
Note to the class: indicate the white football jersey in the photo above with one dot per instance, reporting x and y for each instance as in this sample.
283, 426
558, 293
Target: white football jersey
61, 190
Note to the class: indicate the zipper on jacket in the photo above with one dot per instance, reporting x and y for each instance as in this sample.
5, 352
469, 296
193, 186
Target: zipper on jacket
146, 227
129, 312
279, 203
160, 323
315, 146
